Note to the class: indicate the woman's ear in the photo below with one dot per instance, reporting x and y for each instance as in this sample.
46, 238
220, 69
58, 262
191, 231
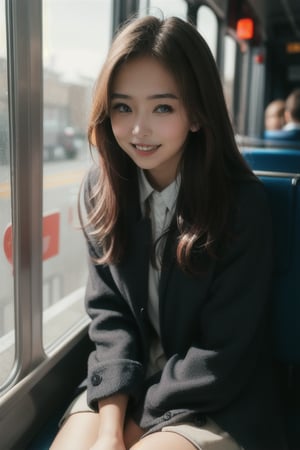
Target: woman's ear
287, 116
194, 127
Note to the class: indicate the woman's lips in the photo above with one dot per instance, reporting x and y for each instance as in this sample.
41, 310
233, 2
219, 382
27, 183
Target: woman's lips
145, 148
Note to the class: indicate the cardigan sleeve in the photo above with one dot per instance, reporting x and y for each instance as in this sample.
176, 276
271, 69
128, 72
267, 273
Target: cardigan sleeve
231, 338
115, 364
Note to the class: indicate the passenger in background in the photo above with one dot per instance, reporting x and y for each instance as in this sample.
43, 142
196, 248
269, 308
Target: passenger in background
180, 260
291, 130
292, 114
274, 115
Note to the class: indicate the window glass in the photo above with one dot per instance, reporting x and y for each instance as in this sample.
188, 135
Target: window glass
229, 71
207, 25
74, 50
7, 335
165, 8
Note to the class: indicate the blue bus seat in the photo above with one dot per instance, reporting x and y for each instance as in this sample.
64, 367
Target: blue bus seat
46, 435
284, 197
272, 159
283, 135
279, 170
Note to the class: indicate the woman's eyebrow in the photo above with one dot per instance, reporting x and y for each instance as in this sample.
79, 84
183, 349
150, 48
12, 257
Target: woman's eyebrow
167, 95
150, 97
116, 95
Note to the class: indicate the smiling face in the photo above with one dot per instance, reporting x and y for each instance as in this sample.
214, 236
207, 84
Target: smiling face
148, 118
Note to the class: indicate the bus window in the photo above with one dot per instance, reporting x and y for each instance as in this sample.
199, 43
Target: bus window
166, 8
7, 326
207, 25
73, 52
229, 72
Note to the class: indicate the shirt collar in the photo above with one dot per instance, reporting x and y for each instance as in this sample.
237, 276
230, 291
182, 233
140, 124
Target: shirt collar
145, 187
169, 194
291, 126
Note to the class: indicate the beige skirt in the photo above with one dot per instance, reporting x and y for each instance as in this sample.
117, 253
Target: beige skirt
207, 437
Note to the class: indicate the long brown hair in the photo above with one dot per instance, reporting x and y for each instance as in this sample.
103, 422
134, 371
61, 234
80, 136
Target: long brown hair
211, 161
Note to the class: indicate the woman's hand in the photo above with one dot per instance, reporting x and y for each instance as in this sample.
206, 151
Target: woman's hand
111, 423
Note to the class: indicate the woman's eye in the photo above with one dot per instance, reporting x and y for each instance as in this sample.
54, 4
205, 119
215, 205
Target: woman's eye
164, 109
121, 107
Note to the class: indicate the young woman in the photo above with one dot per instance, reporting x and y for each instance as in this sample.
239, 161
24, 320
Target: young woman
180, 260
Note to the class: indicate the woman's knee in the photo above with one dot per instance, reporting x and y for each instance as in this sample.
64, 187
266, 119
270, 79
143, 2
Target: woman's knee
78, 432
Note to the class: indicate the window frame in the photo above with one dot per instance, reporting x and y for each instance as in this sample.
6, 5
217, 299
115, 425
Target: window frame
24, 26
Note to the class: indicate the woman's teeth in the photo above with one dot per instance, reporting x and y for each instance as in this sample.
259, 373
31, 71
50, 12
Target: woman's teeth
146, 148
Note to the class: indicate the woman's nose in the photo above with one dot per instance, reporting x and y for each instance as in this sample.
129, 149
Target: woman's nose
141, 128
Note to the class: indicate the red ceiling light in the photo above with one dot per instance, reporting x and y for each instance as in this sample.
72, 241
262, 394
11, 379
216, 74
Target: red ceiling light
245, 28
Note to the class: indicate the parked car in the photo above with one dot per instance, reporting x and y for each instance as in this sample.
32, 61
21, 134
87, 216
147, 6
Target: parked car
58, 141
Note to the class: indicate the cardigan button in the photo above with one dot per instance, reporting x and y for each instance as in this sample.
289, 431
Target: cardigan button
167, 415
96, 379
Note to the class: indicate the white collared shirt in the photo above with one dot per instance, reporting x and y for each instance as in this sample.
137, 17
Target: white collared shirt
162, 206
291, 126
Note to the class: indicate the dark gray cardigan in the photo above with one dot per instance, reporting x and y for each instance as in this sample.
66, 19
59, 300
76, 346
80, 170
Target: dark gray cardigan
214, 331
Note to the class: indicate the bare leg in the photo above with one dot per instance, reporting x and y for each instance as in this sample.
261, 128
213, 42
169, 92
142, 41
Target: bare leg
163, 440
79, 432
